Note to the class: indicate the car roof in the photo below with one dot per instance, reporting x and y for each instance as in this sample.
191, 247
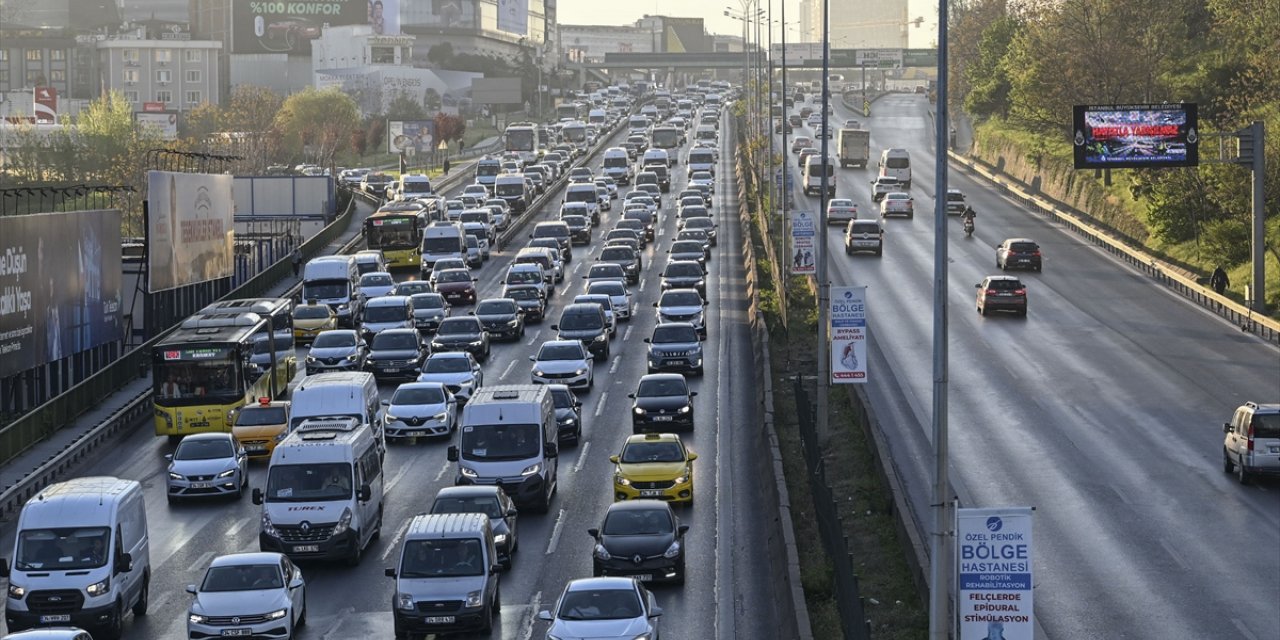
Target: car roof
560, 343
468, 491
652, 437
444, 355
241, 559
207, 436
1003, 278
639, 505
387, 301
1011, 240
615, 583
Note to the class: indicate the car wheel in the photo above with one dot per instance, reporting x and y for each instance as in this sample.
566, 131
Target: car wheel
848, 250
1022, 313
140, 607
1227, 467
591, 381
115, 626
353, 559
1242, 475
699, 371
239, 492
1003, 266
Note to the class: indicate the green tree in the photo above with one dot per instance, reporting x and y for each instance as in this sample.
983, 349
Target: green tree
406, 107
317, 124
449, 128
251, 117
201, 122
988, 76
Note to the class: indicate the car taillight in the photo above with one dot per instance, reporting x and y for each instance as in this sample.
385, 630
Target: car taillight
1036, 253
991, 292
1249, 435
1019, 292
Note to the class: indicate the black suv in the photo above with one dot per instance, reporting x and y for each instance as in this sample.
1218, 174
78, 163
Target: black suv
662, 400
501, 317
396, 353
462, 333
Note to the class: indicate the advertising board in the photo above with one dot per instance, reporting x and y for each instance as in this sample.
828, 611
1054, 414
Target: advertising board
803, 234
685, 35
289, 26
848, 335
1135, 136
449, 14
411, 137
162, 125
496, 91
513, 16
190, 235
994, 557
60, 290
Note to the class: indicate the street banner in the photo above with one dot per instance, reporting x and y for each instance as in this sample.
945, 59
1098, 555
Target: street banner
163, 125
59, 286
994, 561
411, 137
803, 232
190, 231
848, 335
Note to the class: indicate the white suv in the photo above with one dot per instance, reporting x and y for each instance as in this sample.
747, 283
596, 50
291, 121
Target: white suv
1252, 444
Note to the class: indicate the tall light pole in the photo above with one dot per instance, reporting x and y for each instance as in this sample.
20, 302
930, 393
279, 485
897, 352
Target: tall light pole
824, 287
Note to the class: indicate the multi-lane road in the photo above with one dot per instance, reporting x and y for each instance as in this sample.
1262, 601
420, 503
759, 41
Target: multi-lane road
730, 590
1103, 409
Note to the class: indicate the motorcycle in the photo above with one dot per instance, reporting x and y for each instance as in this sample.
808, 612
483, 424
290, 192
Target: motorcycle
968, 227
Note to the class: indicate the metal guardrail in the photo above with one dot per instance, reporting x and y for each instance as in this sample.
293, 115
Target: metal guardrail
1167, 274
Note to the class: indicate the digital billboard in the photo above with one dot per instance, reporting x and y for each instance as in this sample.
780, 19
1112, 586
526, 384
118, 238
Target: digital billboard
449, 14
190, 230
1135, 136
59, 286
289, 26
411, 137
684, 35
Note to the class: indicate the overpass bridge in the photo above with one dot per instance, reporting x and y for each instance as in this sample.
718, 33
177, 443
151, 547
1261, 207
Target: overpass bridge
840, 59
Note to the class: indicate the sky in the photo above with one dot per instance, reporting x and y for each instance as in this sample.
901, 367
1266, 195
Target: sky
712, 11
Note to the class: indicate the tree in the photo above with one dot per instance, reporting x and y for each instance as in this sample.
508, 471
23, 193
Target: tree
988, 76
405, 107
201, 122
449, 128
440, 54
317, 124
252, 111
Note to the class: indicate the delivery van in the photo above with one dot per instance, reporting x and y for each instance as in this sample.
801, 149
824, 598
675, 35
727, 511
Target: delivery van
508, 437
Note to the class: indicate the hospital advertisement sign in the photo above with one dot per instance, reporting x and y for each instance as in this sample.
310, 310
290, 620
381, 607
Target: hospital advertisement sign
848, 335
994, 557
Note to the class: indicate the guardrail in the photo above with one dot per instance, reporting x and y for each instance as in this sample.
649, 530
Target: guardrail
1171, 276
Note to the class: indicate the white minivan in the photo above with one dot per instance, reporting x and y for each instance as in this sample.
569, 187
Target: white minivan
81, 557
814, 168
509, 437
896, 163
339, 394
323, 498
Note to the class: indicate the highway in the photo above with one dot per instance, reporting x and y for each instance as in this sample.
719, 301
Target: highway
730, 590
1103, 409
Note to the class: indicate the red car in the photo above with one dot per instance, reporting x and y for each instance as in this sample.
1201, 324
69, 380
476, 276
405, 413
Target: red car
456, 285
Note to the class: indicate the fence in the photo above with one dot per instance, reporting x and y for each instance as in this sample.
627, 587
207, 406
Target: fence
830, 527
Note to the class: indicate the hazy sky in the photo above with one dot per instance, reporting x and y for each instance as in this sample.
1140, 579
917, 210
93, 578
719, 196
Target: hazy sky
615, 12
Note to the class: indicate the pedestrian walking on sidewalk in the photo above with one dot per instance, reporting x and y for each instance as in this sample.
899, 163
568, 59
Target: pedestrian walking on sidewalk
1219, 280
296, 260
446, 166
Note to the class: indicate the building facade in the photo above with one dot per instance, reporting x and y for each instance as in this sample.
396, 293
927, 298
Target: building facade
180, 74
857, 24
590, 43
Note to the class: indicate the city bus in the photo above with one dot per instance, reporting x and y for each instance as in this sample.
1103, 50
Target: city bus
521, 138
202, 372
398, 234
279, 314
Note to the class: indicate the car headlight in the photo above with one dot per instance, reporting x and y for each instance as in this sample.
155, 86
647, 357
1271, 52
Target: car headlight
601, 552
639, 411
311, 359
476, 343
16, 592
268, 529
513, 323
474, 600
226, 474
686, 409
532, 469
284, 433
538, 373
644, 636
346, 306
500, 538
468, 472
277, 614
405, 602
673, 550
441, 417
580, 371
619, 479
344, 522
196, 618
390, 418
437, 346
176, 476
681, 479
353, 357
570, 420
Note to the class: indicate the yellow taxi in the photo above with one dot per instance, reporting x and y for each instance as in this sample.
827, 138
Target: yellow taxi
260, 427
654, 466
311, 320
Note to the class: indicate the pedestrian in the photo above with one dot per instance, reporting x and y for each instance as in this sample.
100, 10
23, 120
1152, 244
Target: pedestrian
446, 166
459, 145
1219, 280
296, 260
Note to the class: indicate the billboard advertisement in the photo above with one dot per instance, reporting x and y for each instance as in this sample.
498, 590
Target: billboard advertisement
289, 26
848, 335
384, 15
411, 137
496, 91
803, 233
1134, 136
190, 235
448, 14
684, 35
44, 103
994, 557
161, 125
513, 16
59, 286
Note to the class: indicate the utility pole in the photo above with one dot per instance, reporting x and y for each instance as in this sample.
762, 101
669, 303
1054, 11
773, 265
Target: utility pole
1251, 152
783, 274
824, 287
940, 543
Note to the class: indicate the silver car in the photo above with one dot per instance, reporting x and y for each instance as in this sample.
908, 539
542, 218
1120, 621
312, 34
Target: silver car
604, 609
207, 465
564, 362
420, 409
252, 595
457, 370
683, 305
617, 291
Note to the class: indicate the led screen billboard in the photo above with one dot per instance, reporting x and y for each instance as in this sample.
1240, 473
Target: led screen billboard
1135, 136
289, 26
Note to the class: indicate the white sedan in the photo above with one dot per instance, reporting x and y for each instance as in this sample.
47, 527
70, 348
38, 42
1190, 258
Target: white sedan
248, 594
841, 211
897, 203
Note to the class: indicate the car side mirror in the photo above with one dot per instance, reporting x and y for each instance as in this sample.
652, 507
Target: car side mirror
257, 496
681, 530
655, 612
390, 572
977, 286
386, 403
614, 459
545, 615
124, 562
647, 341
168, 457
555, 327
511, 512
451, 454
191, 589
655, 305
631, 395
365, 493
1227, 428
593, 532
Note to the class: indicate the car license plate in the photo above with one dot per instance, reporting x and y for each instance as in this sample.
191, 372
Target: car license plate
232, 633
1273, 449
644, 577
417, 434
65, 617
1005, 294
650, 493
201, 485
663, 418
306, 548
253, 448
439, 619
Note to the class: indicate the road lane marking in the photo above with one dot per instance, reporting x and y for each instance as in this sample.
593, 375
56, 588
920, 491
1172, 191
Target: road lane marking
600, 404
617, 360
397, 477
1177, 558
555, 533
239, 524
526, 628
582, 457
533, 340
723, 495
627, 335
442, 471
1244, 631
643, 281
201, 562
506, 371
394, 542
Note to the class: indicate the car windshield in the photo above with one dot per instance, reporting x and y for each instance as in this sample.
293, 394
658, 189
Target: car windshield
700, 222
580, 321
442, 558
701, 175
550, 352
254, 416
605, 302
395, 341
697, 235
617, 253
607, 288
652, 387
683, 269
637, 522
458, 326
325, 290
69, 548
674, 334
332, 339
1024, 246
600, 604
203, 449
840, 204
662, 451
451, 364
309, 312
897, 196
686, 246
563, 398
427, 301
521, 277
446, 264
1005, 285
488, 505
413, 287
454, 275
575, 221
522, 294
605, 271
418, 395
242, 577
955, 197
501, 442
693, 212
866, 227
309, 482
384, 313
376, 280
496, 307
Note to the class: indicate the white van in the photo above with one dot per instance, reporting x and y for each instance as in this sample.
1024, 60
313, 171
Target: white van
597, 117
333, 281
339, 394
447, 576
896, 163
323, 498
386, 312
512, 188
616, 164
81, 557
508, 437
814, 168
638, 126
701, 160
656, 156
587, 194
442, 240
408, 187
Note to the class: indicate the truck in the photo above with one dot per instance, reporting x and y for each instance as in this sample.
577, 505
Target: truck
853, 147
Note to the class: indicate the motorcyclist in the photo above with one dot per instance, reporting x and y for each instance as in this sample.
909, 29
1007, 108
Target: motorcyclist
967, 219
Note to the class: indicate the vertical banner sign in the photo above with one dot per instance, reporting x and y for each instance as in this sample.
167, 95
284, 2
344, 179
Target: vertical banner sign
803, 232
848, 335
513, 16
45, 104
190, 235
995, 573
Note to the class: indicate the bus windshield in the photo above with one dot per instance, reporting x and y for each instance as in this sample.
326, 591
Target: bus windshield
392, 233
488, 169
575, 134
666, 138
200, 375
520, 139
